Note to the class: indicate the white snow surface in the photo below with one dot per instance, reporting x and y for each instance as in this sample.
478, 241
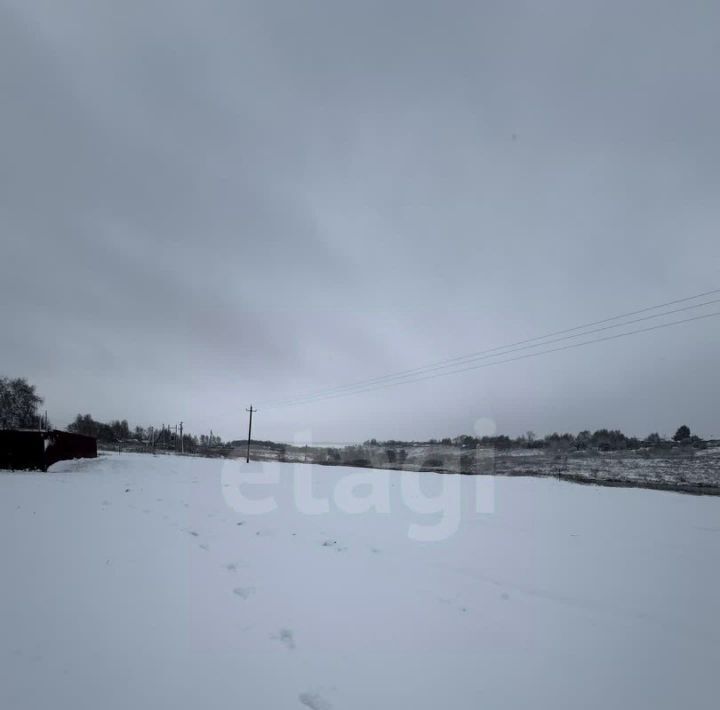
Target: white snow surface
129, 582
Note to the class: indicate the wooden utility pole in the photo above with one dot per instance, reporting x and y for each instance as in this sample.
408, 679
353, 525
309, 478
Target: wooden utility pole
182, 443
251, 410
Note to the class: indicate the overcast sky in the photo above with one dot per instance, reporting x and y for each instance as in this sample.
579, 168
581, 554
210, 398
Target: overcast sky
208, 204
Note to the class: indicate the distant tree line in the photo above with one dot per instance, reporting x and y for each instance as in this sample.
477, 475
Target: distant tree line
272, 445
119, 432
599, 440
115, 430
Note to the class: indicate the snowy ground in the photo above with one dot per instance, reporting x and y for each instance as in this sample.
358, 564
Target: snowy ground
134, 581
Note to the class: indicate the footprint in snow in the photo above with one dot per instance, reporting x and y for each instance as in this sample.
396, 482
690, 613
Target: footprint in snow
193, 533
453, 603
314, 701
286, 638
246, 593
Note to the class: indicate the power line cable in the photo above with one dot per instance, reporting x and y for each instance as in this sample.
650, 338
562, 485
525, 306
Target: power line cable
503, 350
471, 356
499, 362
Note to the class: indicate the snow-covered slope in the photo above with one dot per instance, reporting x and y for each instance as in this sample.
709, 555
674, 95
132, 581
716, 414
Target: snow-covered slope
133, 581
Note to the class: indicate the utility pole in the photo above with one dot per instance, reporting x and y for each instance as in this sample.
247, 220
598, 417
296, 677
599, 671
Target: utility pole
182, 443
251, 410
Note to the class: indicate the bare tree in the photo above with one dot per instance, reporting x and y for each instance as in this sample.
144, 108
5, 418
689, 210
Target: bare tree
18, 403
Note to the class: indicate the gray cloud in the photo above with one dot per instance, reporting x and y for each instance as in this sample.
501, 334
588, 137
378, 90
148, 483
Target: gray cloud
207, 204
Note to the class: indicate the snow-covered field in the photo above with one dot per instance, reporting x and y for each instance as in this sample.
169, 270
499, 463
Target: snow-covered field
134, 581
